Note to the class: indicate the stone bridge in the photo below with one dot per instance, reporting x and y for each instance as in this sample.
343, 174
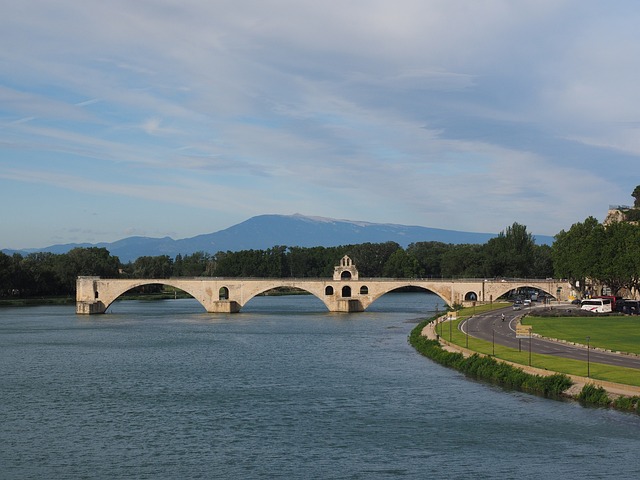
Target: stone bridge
345, 292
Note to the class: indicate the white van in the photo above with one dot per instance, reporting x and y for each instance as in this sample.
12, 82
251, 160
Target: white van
596, 305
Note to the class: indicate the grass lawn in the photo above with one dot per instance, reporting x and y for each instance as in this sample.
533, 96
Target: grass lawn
628, 376
620, 334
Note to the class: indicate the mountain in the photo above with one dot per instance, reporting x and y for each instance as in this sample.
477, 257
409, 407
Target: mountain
266, 231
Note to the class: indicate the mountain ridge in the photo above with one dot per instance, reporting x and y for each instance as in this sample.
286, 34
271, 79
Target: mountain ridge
265, 231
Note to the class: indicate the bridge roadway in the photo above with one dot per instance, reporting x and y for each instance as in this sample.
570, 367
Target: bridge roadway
343, 293
490, 327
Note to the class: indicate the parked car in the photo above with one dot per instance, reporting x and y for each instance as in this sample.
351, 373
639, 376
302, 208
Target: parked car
631, 307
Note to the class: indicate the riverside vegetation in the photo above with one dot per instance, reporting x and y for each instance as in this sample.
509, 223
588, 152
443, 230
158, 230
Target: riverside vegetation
486, 368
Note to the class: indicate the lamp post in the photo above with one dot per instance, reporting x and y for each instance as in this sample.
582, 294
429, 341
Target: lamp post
466, 331
529, 346
588, 365
493, 342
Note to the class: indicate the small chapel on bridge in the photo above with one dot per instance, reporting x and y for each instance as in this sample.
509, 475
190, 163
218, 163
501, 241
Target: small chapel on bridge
346, 270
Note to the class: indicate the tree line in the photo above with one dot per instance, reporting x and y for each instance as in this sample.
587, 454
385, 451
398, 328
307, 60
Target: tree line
588, 251
513, 253
591, 254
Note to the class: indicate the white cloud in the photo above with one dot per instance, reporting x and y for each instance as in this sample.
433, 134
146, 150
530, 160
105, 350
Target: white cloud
465, 115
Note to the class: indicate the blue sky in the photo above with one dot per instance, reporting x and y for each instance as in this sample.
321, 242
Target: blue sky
182, 117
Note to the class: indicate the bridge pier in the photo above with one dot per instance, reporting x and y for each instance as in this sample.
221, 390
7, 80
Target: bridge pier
348, 305
90, 308
223, 306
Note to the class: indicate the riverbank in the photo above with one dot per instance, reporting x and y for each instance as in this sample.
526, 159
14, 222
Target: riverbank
587, 390
35, 301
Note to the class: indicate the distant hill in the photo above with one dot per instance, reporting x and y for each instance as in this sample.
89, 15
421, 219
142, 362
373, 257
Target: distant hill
266, 231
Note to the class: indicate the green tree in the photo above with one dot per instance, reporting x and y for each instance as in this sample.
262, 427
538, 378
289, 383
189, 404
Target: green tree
576, 253
464, 260
511, 253
636, 196
429, 257
40, 269
542, 262
400, 265
312, 262
619, 256
195, 265
370, 258
85, 261
5, 274
160, 266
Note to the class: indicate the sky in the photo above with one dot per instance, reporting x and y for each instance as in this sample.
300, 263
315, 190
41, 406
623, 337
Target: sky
183, 117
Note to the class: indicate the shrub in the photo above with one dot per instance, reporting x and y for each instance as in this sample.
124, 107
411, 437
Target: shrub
489, 369
595, 396
629, 404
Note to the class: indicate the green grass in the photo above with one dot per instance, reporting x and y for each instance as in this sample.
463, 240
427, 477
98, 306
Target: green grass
628, 376
620, 334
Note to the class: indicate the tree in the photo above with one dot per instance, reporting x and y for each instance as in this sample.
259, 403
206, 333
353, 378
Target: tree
465, 260
429, 257
370, 258
40, 268
5, 276
636, 195
542, 262
400, 265
577, 252
160, 266
619, 257
85, 261
511, 253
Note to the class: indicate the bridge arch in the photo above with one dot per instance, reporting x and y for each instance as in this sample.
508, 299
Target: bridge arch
500, 292
223, 293
319, 292
116, 292
376, 293
471, 297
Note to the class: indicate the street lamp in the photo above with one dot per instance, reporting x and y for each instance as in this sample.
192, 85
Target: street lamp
466, 330
588, 365
493, 341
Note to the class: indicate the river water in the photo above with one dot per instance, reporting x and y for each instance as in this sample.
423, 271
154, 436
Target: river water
283, 389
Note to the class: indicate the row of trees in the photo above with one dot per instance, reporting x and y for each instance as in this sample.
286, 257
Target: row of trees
513, 253
590, 254
43, 274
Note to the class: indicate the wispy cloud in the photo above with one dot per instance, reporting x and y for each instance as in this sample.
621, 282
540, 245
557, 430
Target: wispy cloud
467, 115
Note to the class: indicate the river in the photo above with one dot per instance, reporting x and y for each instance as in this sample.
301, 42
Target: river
283, 389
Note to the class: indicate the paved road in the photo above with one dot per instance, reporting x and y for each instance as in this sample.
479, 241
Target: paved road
490, 327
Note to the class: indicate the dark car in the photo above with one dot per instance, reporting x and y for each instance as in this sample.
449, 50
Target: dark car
631, 307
